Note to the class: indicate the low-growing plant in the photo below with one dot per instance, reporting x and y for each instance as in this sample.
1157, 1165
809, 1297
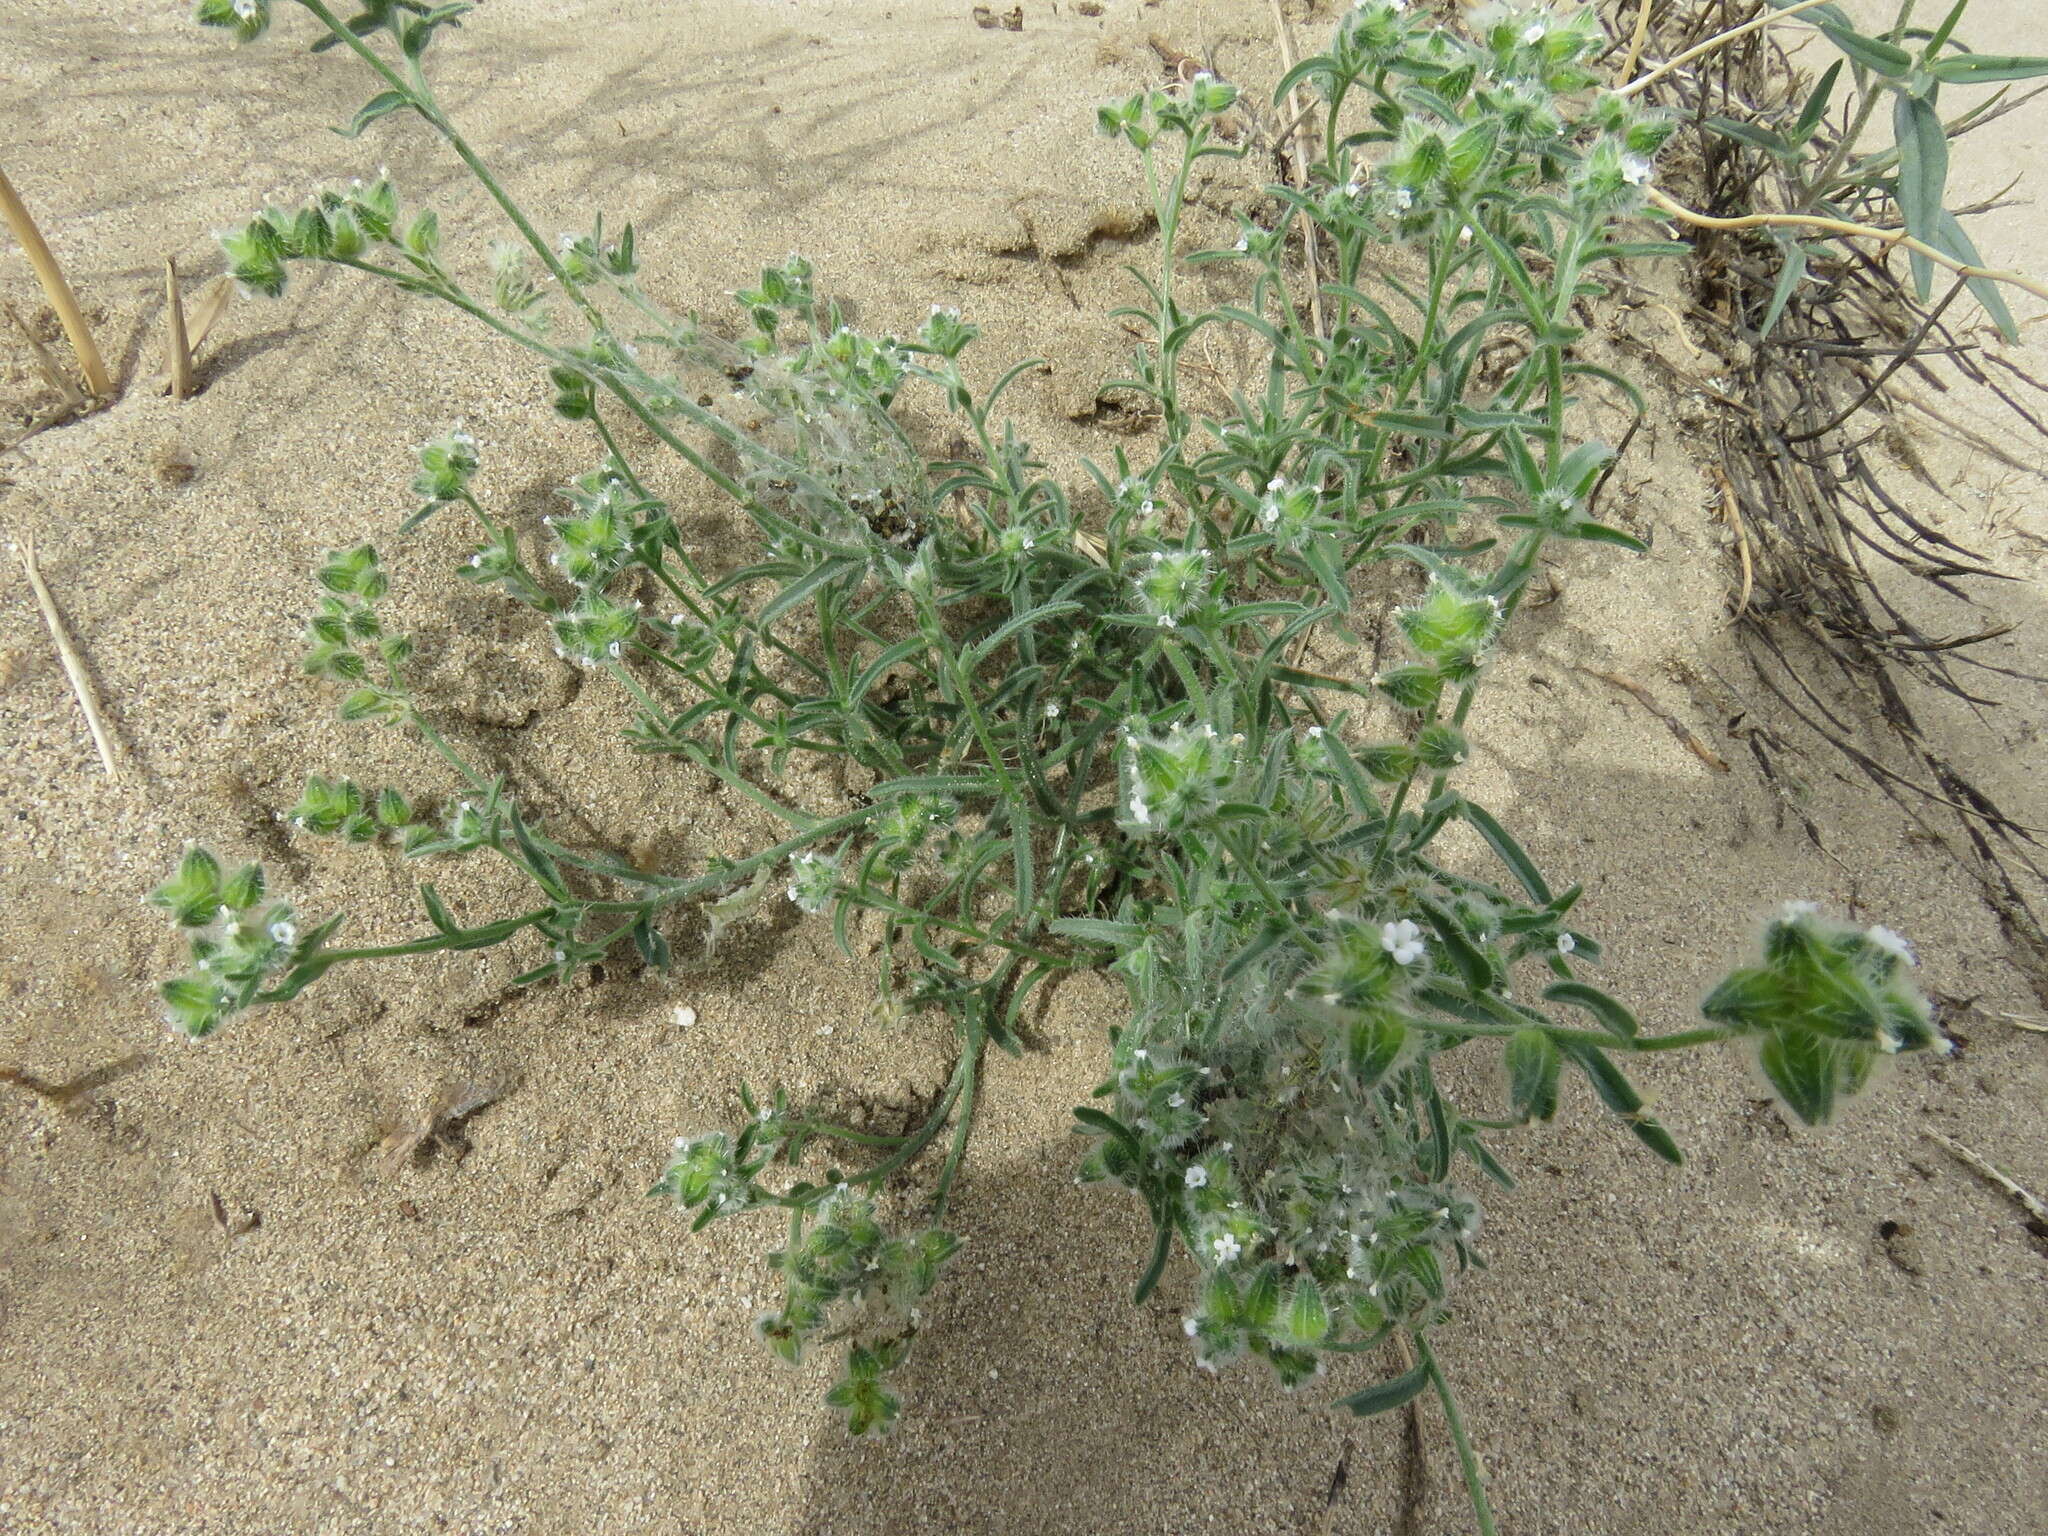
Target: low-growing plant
1092, 737
1835, 169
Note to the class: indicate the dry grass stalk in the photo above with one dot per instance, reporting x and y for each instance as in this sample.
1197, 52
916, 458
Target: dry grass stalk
56, 290
57, 378
210, 309
1940, 258
1982, 1167
67, 654
1635, 42
1303, 147
1719, 40
178, 345
199, 325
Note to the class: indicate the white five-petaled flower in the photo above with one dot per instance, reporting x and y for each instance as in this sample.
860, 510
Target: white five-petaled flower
1635, 170
1190, 1326
1197, 1176
1566, 943
1533, 34
1404, 199
1403, 940
1884, 938
1141, 813
1227, 1248
282, 932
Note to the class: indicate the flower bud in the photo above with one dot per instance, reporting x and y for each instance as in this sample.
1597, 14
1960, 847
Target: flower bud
446, 465
1176, 780
1173, 585
595, 630
1827, 1001
813, 881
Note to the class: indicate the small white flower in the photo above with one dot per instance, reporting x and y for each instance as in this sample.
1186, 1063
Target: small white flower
1176, 1101
1197, 1176
1166, 621
1566, 943
1403, 940
1315, 733
1227, 1248
1141, 813
1052, 711
1465, 234
1141, 1054
1635, 170
1793, 910
1244, 242
1190, 1326
1276, 484
282, 932
685, 1016
246, 9
1884, 938
1403, 199
1533, 34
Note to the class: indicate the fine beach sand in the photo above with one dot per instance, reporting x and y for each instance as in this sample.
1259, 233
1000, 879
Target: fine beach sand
218, 1315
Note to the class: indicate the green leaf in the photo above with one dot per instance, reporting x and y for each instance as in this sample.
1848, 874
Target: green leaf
1619, 1095
1613, 1017
1099, 930
1923, 177
1987, 68
1750, 133
1817, 103
381, 105
1790, 275
1600, 533
538, 864
1388, 1394
1307, 1322
1951, 238
437, 910
1108, 1125
1892, 62
1262, 1301
1534, 1064
1507, 850
1471, 964
1372, 1045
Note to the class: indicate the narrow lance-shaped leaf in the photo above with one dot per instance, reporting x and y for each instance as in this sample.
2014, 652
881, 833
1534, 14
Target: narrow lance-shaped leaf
1923, 177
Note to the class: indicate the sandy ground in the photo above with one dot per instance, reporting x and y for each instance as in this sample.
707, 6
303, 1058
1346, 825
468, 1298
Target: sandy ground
517, 1340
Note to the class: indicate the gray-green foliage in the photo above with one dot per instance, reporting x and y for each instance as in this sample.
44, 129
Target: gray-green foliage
1833, 170
1090, 738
